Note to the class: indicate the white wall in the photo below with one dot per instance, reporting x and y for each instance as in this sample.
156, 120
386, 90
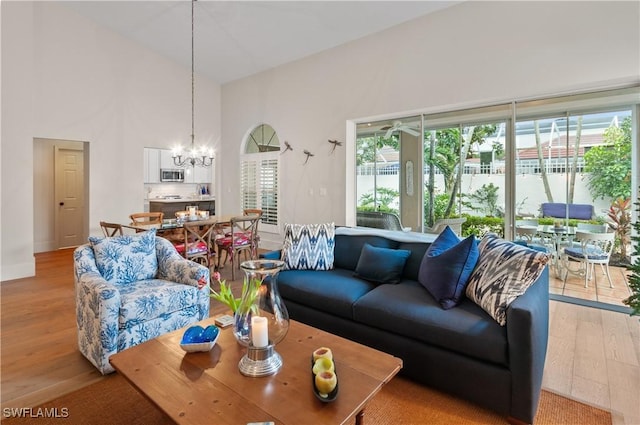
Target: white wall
471, 54
63, 77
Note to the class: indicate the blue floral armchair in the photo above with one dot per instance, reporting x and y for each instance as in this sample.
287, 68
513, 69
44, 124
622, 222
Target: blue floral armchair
133, 288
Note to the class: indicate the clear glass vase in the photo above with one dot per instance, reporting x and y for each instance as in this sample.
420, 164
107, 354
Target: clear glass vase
261, 320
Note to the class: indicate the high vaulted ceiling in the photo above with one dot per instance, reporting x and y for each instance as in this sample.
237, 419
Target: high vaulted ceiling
235, 39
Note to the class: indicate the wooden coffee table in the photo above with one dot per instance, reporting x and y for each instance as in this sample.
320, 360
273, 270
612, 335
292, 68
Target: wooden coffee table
207, 387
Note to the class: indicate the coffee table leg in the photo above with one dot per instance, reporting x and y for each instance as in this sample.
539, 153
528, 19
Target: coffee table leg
360, 418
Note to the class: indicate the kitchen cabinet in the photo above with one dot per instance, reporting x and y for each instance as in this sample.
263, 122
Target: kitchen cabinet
156, 159
198, 174
151, 165
166, 160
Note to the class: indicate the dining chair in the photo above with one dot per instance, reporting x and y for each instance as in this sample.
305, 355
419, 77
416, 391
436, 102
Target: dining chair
111, 229
454, 223
256, 236
147, 218
239, 240
593, 228
252, 211
527, 230
196, 244
595, 248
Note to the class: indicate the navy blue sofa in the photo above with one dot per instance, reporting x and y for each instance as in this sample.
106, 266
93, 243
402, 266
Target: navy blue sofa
462, 351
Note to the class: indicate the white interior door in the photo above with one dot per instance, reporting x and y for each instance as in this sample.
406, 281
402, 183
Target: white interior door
69, 197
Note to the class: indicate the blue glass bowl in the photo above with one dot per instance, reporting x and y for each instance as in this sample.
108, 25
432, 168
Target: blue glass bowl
196, 338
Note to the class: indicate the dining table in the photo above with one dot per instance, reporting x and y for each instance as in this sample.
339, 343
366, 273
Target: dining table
173, 224
558, 237
173, 230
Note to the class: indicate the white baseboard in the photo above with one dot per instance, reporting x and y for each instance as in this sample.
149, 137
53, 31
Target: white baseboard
45, 246
18, 271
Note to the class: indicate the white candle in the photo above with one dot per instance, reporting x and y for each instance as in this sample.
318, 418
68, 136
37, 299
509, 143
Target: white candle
259, 331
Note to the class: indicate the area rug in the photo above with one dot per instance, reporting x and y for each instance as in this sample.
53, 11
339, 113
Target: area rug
112, 401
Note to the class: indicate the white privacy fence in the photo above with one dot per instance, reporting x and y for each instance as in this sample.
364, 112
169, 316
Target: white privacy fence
529, 189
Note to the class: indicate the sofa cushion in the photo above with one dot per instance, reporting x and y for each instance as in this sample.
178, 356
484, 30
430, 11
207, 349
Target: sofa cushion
381, 265
504, 272
446, 267
412, 266
126, 258
146, 300
348, 248
332, 291
409, 310
308, 246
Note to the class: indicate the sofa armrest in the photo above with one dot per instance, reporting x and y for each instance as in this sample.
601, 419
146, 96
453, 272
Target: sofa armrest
272, 255
527, 334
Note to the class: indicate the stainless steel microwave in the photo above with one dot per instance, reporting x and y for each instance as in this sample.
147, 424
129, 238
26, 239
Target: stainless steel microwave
172, 175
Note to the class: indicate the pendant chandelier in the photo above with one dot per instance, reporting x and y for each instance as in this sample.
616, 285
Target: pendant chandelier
203, 156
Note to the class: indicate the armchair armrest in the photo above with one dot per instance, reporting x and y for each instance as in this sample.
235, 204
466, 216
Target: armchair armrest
172, 266
97, 309
528, 334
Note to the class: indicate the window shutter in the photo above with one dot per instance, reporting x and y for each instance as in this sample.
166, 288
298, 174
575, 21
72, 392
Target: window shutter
269, 191
249, 184
259, 185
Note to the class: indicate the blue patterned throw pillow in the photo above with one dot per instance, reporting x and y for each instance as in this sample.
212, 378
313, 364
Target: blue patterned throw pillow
504, 272
446, 267
126, 258
308, 246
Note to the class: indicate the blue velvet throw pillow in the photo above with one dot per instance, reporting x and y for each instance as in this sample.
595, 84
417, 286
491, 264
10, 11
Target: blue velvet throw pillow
447, 266
381, 265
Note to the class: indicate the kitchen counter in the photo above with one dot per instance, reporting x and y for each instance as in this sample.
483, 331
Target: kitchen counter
182, 200
172, 205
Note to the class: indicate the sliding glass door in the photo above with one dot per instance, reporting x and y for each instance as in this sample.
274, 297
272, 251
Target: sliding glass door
387, 165
565, 160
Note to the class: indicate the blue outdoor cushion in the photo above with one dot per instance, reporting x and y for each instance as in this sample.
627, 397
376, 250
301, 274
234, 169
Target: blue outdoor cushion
446, 267
381, 265
592, 253
559, 210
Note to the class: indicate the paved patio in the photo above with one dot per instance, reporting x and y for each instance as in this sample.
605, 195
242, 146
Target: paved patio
596, 291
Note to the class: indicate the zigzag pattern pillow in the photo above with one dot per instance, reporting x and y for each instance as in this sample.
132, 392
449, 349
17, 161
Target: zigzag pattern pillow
308, 246
504, 272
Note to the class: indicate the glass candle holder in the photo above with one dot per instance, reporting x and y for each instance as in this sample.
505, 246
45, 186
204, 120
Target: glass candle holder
261, 320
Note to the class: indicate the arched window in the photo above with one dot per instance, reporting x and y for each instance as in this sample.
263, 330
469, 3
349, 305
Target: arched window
259, 164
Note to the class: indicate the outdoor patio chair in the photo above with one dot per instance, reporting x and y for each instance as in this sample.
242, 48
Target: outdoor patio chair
441, 223
595, 248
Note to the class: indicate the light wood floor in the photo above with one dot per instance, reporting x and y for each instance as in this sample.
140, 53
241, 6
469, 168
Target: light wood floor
593, 355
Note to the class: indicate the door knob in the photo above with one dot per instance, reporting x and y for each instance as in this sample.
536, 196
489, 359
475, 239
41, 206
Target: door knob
61, 203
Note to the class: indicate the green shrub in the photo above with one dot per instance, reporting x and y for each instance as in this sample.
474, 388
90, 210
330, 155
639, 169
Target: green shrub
479, 226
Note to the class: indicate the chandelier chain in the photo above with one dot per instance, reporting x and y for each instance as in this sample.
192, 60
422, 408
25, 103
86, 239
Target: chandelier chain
204, 159
193, 53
